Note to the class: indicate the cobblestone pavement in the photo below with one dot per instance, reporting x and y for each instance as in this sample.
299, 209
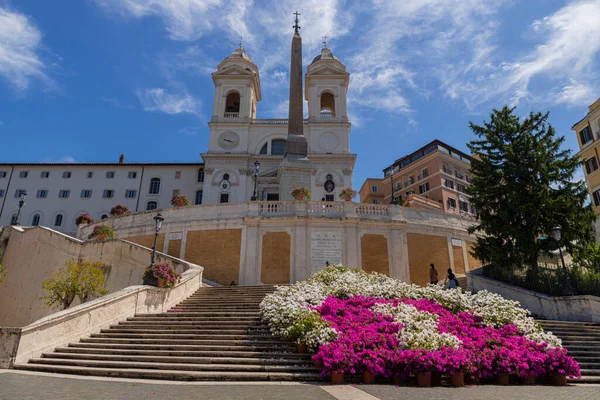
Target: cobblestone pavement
25, 386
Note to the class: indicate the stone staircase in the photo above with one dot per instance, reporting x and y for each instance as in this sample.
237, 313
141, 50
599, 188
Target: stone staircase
215, 334
582, 339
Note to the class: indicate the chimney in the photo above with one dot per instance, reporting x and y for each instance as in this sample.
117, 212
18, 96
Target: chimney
122, 159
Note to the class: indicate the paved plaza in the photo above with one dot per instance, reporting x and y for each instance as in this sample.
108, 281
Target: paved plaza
29, 386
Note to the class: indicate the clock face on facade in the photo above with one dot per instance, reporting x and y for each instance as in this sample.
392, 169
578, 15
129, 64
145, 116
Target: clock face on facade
329, 141
229, 140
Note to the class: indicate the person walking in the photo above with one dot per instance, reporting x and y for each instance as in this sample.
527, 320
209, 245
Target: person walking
451, 280
433, 274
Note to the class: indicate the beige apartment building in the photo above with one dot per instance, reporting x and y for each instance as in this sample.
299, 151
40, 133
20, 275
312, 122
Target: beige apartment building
433, 177
588, 137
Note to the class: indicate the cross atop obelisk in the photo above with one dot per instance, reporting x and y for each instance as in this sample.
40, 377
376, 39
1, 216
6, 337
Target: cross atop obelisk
296, 26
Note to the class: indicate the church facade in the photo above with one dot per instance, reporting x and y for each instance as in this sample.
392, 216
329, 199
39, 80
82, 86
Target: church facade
239, 142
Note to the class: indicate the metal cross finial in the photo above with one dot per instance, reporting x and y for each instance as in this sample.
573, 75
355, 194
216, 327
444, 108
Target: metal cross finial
296, 26
241, 38
325, 41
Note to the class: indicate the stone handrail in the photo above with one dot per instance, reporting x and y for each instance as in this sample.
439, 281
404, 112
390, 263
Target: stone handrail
66, 326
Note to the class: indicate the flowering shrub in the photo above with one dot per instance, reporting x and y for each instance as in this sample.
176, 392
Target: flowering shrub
118, 210
357, 322
301, 194
102, 232
163, 271
84, 218
347, 194
180, 200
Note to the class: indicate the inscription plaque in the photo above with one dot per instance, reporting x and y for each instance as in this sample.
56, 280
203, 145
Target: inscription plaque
325, 246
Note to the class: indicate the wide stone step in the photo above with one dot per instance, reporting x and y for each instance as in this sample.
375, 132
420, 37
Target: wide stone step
590, 344
209, 314
196, 329
588, 365
585, 338
590, 372
202, 344
61, 353
176, 375
262, 339
208, 326
210, 307
176, 350
175, 366
586, 379
200, 334
171, 317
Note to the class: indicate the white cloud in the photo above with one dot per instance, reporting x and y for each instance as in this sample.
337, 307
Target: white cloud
20, 44
157, 99
67, 159
563, 59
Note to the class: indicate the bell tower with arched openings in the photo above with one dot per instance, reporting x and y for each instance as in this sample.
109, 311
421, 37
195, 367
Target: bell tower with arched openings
237, 88
326, 88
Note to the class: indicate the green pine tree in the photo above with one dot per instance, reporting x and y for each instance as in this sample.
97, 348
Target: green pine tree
522, 187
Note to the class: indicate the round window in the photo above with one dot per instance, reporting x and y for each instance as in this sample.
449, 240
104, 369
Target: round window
226, 177
329, 177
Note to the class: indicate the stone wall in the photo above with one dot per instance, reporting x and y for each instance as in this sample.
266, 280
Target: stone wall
218, 251
374, 254
424, 250
567, 308
32, 253
275, 265
279, 241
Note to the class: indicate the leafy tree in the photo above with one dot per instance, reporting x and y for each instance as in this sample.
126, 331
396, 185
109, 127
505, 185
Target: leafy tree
84, 280
522, 187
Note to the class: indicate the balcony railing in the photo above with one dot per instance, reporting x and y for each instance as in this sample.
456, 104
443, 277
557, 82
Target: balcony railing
232, 115
327, 115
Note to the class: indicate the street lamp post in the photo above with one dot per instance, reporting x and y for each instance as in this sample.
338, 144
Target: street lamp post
256, 170
21, 204
158, 220
568, 286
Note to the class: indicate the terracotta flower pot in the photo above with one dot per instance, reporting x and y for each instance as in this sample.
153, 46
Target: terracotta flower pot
457, 379
423, 379
559, 380
337, 379
102, 237
318, 363
436, 379
368, 378
160, 282
528, 380
299, 197
502, 379
397, 380
471, 379
302, 348
348, 198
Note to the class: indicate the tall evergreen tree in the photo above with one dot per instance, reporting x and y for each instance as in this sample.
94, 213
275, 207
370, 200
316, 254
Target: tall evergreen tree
522, 187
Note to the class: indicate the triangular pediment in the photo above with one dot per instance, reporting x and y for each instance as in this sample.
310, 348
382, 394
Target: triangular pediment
327, 70
234, 70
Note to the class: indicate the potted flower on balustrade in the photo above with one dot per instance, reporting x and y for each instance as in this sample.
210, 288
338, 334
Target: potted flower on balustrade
119, 210
102, 232
301, 194
84, 219
180, 200
164, 273
347, 194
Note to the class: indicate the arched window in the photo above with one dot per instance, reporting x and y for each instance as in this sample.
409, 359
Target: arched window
327, 105
198, 199
278, 147
154, 186
232, 105
264, 149
58, 220
152, 205
36, 220
104, 216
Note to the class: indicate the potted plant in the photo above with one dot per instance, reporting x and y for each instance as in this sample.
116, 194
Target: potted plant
301, 194
164, 273
102, 232
119, 210
422, 364
347, 194
84, 219
561, 366
180, 200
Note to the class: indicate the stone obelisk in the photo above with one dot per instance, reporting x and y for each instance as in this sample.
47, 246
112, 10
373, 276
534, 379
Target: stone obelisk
295, 171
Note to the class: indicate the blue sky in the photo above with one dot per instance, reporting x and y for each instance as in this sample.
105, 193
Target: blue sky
87, 80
